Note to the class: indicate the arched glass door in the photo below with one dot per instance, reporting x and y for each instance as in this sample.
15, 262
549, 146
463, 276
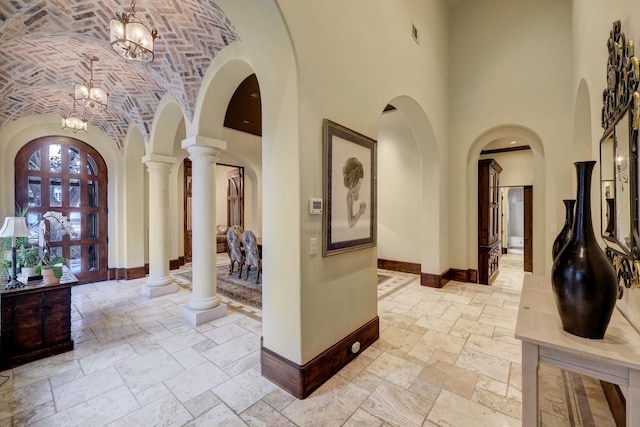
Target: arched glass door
68, 176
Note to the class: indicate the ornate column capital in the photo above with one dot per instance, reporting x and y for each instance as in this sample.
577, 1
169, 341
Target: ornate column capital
204, 144
159, 158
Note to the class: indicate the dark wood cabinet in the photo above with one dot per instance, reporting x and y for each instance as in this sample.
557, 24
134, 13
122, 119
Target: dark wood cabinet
489, 248
35, 322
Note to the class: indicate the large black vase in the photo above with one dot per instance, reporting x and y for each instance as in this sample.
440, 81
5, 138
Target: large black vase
584, 281
565, 234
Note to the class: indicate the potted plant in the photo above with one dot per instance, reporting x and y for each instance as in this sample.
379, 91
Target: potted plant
51, 266
28, 258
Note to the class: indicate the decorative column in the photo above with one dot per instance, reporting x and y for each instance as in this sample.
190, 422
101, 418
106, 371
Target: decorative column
159, 282
204, 304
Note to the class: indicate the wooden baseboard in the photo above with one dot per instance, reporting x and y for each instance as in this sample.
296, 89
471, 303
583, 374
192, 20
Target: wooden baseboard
301, 381
617, 402
126, 273
181, 261
404, 267
434, 280
174, 264
458, 275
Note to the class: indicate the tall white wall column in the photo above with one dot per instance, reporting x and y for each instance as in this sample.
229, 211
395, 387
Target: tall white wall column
159, 282
204, 304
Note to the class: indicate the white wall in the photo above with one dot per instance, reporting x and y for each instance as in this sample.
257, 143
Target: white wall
399, 190
508, 69
516, 217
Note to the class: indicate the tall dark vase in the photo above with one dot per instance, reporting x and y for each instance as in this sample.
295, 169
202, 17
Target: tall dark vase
565, 234
584, 281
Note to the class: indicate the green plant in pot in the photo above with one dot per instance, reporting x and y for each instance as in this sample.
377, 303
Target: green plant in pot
28, 258
54, 264
59, 225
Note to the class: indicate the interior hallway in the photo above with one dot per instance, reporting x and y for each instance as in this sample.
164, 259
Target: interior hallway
446, 357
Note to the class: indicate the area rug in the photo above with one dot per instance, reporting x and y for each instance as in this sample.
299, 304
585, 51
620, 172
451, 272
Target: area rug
231, 286
241, 290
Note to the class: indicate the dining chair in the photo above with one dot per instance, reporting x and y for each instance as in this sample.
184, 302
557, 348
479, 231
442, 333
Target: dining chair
252, 255
235, 251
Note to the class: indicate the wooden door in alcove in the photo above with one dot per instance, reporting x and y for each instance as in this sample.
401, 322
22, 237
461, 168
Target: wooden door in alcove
235, 197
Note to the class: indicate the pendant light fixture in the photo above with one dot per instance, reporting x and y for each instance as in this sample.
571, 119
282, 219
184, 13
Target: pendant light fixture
130, 38
89, 95
73, 121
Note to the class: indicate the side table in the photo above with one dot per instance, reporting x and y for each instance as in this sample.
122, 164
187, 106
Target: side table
615, 358
35, 321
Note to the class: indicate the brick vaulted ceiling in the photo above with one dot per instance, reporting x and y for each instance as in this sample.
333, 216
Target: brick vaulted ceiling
44, 47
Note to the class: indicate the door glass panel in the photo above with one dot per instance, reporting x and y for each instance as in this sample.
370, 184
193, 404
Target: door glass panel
92, 225
74, 193
55, 231
92, 190
55, 192
55, 158
94, 263
55, 251
35, 161
33, 222
34, 191
76, 220
74, 160
92, 167
75, 258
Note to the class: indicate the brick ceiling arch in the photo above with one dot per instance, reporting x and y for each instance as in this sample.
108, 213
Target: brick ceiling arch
44, 47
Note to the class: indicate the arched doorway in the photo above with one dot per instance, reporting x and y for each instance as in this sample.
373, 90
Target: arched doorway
66, 175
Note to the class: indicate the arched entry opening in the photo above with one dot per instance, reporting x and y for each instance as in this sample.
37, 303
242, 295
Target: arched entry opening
522, 164
409, 239
66, 175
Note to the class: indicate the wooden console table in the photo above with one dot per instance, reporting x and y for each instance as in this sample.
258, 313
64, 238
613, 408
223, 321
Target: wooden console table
615, 359
35, 321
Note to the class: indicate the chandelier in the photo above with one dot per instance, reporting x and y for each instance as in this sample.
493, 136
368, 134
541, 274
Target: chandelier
73, 121
130, 38
88, 95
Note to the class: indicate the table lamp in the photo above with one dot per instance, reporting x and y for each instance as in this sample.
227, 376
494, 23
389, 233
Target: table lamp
14, 226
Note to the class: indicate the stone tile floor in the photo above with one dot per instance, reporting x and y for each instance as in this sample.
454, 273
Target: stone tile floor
446, 357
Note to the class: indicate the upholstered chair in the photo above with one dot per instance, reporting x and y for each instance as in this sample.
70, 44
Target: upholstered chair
235, 251
252, 256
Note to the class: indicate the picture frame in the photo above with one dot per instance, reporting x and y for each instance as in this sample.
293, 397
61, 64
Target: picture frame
350, 190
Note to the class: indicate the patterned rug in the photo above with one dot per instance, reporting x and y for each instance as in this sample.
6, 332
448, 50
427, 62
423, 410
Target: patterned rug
231, 286
241, 290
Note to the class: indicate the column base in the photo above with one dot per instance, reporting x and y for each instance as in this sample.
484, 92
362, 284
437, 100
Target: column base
158, 291
198, 317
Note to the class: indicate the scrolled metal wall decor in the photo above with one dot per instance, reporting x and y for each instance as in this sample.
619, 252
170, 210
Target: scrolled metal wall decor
621, 96
623, 76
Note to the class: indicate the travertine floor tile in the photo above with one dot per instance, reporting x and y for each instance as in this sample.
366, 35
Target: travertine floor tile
445, 357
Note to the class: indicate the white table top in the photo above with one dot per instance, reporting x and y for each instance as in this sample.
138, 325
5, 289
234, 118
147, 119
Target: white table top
539, 323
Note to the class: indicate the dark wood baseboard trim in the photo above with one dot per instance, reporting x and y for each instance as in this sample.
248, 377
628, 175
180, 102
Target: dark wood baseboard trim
458, 275
174, 264
126, 273
404, 267
505, 251
181, 261
434, 280
301, 381
617, 402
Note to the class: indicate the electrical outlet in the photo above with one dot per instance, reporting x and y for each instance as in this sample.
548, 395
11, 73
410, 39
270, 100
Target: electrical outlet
313, 246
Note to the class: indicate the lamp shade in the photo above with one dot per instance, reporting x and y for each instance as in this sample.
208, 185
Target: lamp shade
15, 226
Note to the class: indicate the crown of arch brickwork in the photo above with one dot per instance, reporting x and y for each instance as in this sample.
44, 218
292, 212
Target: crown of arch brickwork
43, 45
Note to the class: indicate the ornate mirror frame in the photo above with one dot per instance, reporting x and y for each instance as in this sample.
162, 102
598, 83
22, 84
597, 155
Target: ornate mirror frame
619, 157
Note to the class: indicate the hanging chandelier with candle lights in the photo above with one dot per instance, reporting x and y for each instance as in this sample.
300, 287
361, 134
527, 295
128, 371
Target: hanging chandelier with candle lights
130, 38
89, 95
73, 121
